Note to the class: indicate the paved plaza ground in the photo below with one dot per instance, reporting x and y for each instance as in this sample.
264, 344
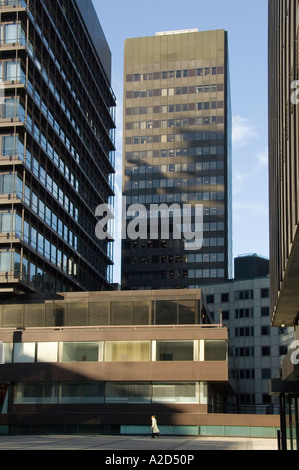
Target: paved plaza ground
134, 443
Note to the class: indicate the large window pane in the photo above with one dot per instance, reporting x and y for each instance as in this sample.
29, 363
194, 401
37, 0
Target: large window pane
176, 393
121, 313
5, 261
24, 352
7, 148
127, 351
36, 393
127, 392
47, 352
187, 312
174, 351
215, 350
166, 312
82, 392
78, 352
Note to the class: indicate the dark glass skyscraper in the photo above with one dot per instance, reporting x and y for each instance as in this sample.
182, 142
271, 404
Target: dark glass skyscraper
56, 146
177, 150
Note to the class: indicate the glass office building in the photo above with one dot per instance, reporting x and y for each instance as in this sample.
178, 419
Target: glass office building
176, 157
56, 146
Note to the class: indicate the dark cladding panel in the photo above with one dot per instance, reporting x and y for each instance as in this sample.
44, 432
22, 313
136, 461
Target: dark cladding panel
96, 33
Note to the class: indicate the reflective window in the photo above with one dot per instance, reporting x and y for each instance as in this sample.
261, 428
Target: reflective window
26, 393
127, 392
215, 350
176, 393
81, 392
81, 352
174, 351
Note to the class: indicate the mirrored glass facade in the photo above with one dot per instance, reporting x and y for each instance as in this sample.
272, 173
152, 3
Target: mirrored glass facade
176, 155
56, 146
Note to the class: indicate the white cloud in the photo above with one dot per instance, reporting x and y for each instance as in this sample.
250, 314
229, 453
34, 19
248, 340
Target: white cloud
258, 164
242, 131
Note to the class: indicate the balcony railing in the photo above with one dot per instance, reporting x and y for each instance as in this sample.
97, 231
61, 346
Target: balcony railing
247, 409
13, 4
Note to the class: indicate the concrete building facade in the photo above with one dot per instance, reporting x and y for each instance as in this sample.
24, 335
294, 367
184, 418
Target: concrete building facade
105, 362
243, 306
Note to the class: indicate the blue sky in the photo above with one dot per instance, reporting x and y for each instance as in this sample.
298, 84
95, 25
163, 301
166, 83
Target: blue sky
247, 26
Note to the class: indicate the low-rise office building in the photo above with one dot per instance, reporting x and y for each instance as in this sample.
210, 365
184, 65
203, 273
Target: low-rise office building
107, 361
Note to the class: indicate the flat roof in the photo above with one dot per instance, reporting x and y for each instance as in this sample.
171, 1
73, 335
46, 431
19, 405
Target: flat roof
96, 34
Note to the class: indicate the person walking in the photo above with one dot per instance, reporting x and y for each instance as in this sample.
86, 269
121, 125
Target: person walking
155, 429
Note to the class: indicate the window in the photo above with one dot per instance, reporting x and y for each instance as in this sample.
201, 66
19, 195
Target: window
5, 264
24, 352
47, 352
266, 373
176, 393
283, 350
215, 350
265, 311
36, 393
174, 351
266, 350
264, 293
90, 392
81, 352
265, 330
225, 297
127, 351
127, 392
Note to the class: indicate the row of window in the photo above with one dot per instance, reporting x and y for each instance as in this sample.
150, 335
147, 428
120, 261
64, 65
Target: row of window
10, 261
177, 197
174, 91
175, 138
265, 330
67, 60
110, 392
12, 145
116, 351
171, 74
177, 274
180, 152
174, 168
176, 183
196, 121
249, 351
10, 222
249, 313
178, 259
35, 202
175, 108
11, 68
11, 183
244, 374
58, 95
29, 271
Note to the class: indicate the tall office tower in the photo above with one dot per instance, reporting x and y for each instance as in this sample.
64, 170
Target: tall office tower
284, 196
56, 146
176, 152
